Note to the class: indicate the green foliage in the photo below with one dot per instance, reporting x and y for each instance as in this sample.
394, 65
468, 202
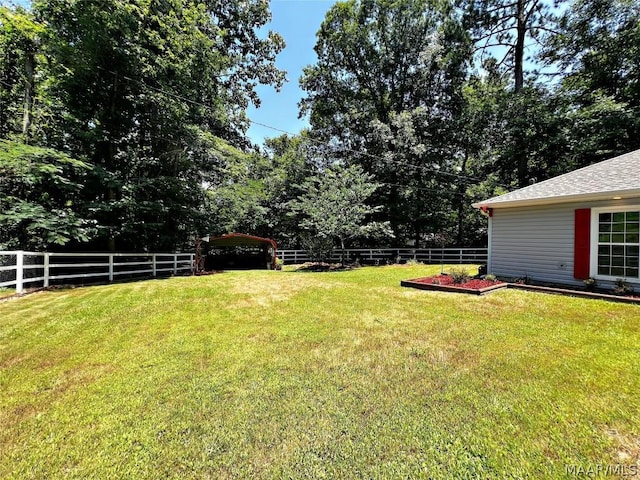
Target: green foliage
622, 287
387, 83
333, 205
39, 194
597, 47
491, 277
140, 91
459, 274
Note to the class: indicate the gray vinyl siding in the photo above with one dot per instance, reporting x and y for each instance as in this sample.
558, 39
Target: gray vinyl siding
537, 242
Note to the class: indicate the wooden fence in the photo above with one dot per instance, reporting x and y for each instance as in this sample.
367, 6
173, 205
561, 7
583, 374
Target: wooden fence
19, 269
376, 256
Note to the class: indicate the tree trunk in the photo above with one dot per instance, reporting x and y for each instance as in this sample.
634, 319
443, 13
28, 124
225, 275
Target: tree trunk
28, 95
111, 194
461, 200
521, 31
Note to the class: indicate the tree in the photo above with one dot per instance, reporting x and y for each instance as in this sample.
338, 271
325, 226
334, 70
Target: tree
20, 37
389, 72
507, 28
141, 91
39, 192
597, 49
334, 206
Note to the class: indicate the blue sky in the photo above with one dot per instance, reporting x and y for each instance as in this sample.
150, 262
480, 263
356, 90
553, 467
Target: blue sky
297, 21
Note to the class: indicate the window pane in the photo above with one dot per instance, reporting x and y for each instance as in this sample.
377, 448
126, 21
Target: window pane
604, 237
633, 227
618, 217
604, 260
617, 271
604, 250
617, 261
632, 272
618, 227
631, 238
633, 216
617, 238
631, 262
632, 251
617, 250
603, 270
605, 217
605, 227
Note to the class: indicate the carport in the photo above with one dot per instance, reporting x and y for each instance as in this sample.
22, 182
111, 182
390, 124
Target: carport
235, 251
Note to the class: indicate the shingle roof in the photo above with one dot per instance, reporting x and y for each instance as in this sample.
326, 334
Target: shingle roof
618, 176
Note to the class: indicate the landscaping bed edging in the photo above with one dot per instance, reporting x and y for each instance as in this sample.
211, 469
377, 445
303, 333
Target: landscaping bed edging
450, 288
575, 293
519, 286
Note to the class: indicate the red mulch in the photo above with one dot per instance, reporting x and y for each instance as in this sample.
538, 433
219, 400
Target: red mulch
472, 284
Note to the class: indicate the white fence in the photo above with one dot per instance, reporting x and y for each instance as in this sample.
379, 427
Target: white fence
38, 269
376, 256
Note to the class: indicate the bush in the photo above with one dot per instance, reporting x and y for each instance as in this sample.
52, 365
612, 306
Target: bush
491, 277
622, 287
459, 275
319, 248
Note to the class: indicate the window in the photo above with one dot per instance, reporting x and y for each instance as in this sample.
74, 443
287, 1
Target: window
618, 244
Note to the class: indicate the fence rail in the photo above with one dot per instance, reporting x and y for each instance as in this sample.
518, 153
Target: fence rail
20, 268
378, 256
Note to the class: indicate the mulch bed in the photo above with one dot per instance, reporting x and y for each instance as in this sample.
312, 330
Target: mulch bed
476, 286
479, 286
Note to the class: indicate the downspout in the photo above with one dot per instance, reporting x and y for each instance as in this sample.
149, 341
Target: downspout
488, 212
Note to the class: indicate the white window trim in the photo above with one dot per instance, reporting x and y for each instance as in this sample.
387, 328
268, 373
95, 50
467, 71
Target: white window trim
593, 242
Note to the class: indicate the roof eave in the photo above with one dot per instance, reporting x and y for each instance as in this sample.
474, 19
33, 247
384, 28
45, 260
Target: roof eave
582, 197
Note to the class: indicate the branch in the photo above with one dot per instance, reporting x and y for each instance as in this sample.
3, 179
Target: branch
499, 44
545, 29
500, 7
531, 10
506, 55
491, 34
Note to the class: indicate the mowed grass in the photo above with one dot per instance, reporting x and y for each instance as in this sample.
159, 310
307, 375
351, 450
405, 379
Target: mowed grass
6, 292
314, 375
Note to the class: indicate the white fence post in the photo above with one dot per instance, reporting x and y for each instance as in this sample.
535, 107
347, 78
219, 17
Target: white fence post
153, 265
45, 281
175, 263
19, 271
111, 268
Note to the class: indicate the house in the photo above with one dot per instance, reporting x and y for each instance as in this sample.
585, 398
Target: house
571, 227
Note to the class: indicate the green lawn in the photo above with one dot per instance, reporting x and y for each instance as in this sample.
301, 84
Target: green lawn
6, 292
314, 375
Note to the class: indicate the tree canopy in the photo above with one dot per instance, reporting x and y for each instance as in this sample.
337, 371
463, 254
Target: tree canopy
123, 122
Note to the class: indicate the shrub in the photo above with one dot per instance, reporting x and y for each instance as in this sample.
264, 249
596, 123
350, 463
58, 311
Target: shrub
459, 275
622, 287
590, 283
413, 262
491, 277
